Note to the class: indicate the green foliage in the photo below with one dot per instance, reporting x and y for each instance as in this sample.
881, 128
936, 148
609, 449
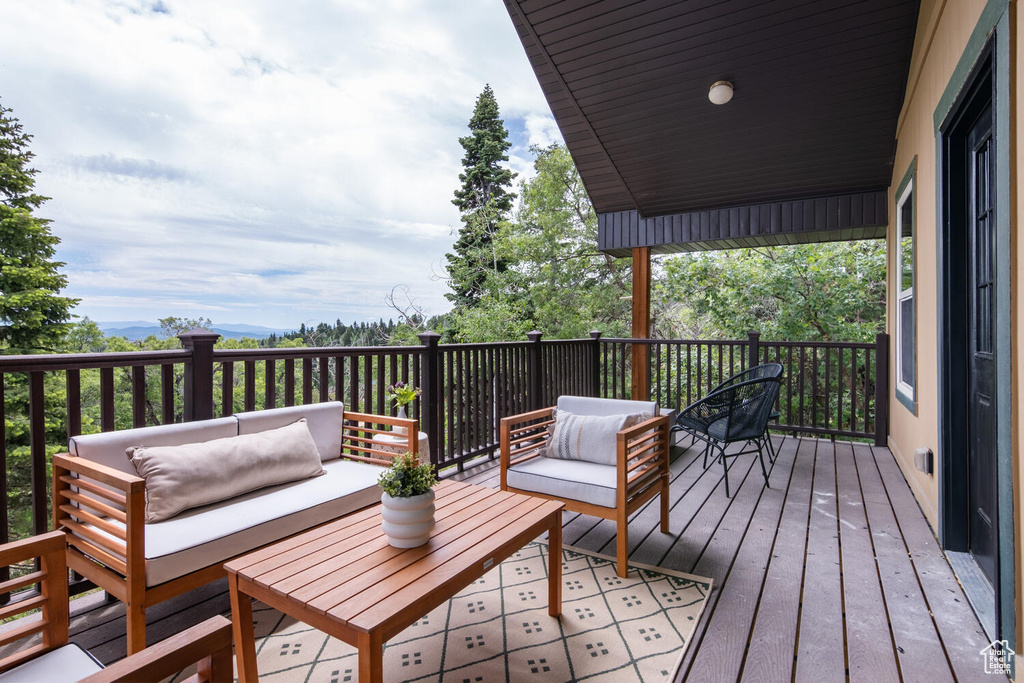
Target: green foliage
809, 292
484, 200
556, 280
33, 316
407, 477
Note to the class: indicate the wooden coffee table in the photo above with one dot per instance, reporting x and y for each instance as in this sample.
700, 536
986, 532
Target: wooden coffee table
345, 580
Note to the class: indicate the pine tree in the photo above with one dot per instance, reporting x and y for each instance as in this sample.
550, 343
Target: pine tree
33, 316
484, 201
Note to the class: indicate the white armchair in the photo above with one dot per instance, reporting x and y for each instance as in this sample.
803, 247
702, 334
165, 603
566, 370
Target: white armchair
605, 460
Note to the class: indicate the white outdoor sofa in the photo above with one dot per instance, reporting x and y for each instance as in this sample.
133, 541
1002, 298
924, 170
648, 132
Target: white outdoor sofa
103, 505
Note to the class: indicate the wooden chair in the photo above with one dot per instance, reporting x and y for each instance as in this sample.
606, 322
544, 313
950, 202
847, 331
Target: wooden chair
611, 491
54, 660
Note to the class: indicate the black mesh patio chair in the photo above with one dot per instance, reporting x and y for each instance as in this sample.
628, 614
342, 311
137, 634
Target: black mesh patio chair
765, 370
737, 413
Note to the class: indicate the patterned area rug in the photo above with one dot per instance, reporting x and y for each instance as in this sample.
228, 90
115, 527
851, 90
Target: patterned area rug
498, 629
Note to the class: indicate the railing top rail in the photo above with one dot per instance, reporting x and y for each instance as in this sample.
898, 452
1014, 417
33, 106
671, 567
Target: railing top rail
482, 345
83, 361
565, 342
761, 342
233, 355
704, 342
819, 344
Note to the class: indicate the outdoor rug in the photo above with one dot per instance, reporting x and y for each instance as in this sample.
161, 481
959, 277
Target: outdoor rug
498, 629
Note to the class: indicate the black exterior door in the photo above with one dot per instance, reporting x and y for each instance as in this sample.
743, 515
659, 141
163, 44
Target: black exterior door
980, 292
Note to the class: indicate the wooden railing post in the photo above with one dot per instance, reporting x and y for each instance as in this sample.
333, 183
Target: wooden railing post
535, 382
595, 363
881, 389
430, 399
754, 339
198, 381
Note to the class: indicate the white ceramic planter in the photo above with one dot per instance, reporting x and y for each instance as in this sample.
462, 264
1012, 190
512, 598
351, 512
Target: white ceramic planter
401, 414
407, 521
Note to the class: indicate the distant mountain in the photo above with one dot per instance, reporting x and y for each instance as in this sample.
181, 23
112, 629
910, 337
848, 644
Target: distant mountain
140, 329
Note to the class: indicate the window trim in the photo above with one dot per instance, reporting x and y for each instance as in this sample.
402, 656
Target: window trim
906, 393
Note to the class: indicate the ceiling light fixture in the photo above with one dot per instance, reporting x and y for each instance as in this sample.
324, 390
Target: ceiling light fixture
720, 92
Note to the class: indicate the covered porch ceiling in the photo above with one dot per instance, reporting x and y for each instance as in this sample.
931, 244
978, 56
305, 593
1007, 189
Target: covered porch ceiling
803, 152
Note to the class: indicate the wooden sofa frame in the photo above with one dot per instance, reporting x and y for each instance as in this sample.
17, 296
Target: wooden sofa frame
207, 643
85, 492
642, 458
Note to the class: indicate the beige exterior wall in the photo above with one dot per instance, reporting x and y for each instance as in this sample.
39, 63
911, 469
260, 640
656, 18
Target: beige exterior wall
943, 30
944, 27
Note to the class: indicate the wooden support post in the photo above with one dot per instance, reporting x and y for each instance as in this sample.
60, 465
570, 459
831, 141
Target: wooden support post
641, 380
881, 389
430, 399
535, 381
754, 340
595, 364
199, 373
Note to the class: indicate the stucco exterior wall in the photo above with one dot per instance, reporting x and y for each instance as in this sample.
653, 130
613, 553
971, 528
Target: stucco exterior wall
943, 30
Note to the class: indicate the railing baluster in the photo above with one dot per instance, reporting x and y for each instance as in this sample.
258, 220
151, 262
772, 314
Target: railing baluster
138, 396
227, 388
307, 381
289, 381
107, 399
270, 385
324, 370
37, 451
73, 384
167, 412
250, 385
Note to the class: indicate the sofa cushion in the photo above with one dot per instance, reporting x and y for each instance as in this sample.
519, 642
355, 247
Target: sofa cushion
587, 405
191, 475
574, 479
215, 533
108, 448
66, 663
325, 421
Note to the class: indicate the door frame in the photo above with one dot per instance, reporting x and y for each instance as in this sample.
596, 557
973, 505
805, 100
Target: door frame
986, 59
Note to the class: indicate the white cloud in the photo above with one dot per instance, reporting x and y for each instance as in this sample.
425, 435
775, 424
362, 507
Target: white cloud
267, 162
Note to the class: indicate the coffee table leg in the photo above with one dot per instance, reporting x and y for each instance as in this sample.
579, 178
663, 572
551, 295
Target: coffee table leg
371, 658
245, 636
555, 566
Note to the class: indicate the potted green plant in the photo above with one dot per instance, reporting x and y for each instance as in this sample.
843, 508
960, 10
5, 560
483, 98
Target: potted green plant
407, 504
402, 394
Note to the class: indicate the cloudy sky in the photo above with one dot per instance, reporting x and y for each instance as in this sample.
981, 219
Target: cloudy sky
258, 161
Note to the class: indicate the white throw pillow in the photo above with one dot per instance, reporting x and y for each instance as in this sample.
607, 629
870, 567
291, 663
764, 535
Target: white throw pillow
588, 437
190, 475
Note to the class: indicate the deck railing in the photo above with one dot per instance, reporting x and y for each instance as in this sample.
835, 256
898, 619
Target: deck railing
828, 389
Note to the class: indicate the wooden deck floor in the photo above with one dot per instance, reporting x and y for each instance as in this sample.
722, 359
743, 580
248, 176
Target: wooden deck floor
831, 574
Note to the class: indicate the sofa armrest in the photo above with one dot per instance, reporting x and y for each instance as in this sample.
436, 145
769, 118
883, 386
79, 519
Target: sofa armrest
102, 511
357, 441
523, 437
207, 643
642, 452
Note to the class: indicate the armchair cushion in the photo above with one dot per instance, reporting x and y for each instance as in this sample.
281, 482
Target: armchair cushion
577, 480
588, 437
67, 663
192, 475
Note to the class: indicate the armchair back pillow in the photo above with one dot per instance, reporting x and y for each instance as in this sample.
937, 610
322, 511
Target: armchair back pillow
191, 475
588, 437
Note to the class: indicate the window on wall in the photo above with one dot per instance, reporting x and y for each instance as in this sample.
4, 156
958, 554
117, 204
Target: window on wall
905, 337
